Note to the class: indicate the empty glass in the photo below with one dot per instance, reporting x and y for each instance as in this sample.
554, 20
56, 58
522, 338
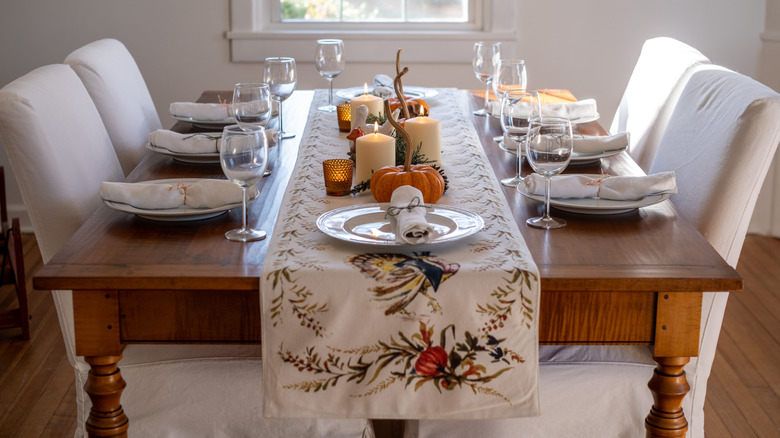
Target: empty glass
280, 75
243, 155
517, 108
509, 74
486, 55
329, 59
548, 147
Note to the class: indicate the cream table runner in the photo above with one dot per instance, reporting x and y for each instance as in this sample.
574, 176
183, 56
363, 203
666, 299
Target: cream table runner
443, 331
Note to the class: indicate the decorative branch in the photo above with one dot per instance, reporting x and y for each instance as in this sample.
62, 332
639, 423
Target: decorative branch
398, 84
404, 134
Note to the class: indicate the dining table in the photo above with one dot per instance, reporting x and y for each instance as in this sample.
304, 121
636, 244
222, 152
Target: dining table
631, 278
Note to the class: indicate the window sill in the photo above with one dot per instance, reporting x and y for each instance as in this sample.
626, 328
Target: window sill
366, 46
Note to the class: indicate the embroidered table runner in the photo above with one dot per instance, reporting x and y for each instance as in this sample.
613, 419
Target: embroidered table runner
446, 331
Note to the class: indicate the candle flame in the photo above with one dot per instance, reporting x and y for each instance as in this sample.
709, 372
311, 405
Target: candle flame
376, 127
365, 88
423, 111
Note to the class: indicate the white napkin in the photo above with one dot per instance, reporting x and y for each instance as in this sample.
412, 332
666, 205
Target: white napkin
621, 188
593, 144
572, 111
383, 86
197, 143
205, 193
200, 111
407, 216
585, 144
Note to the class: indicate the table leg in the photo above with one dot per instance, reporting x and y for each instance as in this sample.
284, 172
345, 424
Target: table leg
104, 387
669, 386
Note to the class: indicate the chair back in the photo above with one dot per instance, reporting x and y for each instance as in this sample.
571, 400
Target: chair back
659, 76
719, 142
58, 149
119, 91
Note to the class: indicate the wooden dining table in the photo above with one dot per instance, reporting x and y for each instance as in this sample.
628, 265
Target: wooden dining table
630, 278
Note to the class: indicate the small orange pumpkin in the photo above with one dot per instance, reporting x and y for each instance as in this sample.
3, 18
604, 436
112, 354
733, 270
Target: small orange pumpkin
421, 176
416, 107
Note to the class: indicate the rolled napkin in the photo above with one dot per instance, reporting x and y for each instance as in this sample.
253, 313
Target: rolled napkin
585, 108
196, 143
200, 111
407, 216
383, 86
593, 144
205, 193
621, 188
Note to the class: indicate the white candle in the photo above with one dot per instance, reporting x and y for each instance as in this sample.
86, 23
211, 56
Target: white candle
374, 104
373, 152
427, 131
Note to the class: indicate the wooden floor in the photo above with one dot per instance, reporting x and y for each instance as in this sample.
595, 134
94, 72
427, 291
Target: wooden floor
37, 393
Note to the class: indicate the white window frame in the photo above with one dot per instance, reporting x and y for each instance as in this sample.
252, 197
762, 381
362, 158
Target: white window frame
256, 32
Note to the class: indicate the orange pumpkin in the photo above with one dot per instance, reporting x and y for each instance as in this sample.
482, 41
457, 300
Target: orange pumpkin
421, 176
416, 107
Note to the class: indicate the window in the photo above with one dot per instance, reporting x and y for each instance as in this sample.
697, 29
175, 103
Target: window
401, 11
448, 28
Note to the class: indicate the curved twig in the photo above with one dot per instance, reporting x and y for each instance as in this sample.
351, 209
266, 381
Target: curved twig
398, 84
402, 131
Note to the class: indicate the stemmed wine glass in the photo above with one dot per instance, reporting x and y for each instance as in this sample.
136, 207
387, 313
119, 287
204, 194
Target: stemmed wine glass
243, 155
548, 147
509, 74
280, 76
486, 55
329, 59
251, 105
517, 108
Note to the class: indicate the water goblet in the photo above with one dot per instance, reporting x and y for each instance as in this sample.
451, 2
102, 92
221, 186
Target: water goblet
251, 105
243, 155
517, 108
486, 55
548, 147
329, 59
280, 75
509, 74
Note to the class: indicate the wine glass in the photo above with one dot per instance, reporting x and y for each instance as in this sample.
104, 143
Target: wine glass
251, 105
548, 147
329, 59
517, 108
486, 55
243, 155
508, 74
280, 76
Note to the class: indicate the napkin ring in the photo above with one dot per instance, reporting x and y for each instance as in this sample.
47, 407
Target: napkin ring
210, 137
414, 203
597, 182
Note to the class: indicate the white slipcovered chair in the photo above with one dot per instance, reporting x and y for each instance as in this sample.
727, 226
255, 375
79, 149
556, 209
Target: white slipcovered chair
720, 142
660, 74
119, 91
60, 152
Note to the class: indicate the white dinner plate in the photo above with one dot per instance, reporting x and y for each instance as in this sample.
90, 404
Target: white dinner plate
173, 214
577, 159
207, 124
205, 158
367, 224
586, 119
593, 205
409, 91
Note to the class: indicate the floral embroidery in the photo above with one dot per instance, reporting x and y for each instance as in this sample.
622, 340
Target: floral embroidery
299, 306
415, 359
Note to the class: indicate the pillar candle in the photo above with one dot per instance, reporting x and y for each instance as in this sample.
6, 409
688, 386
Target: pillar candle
373, 152
375, 106
427, 131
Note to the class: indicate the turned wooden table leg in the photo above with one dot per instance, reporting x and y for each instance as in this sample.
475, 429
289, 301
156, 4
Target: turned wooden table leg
669, 386
104, 386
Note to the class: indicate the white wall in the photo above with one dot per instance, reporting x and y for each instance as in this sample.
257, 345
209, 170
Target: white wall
180, 45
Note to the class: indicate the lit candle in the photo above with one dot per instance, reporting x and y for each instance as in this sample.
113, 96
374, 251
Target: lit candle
373, 103
428, 131
373, 152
